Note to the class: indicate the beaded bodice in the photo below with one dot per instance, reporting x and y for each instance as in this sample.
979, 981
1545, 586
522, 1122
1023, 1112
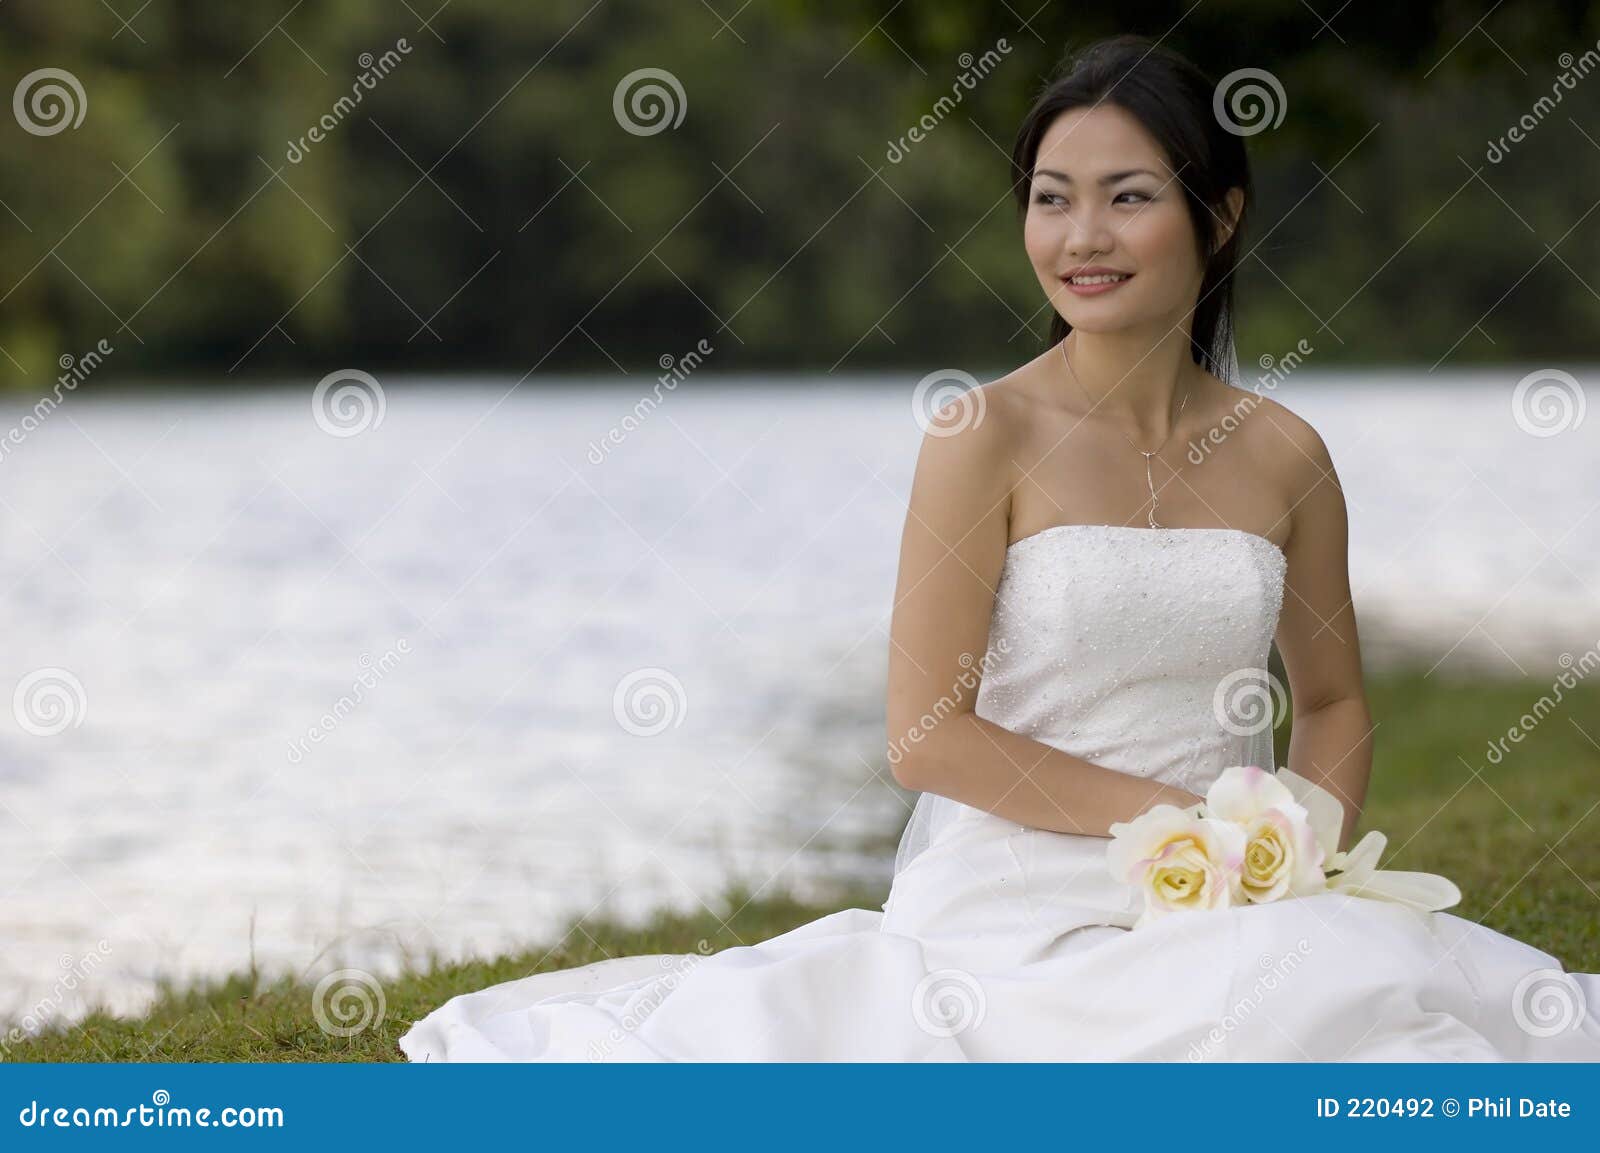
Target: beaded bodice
1142, 650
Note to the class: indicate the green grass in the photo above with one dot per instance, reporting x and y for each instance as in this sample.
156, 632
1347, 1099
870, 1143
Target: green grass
1522, 840
245, 1018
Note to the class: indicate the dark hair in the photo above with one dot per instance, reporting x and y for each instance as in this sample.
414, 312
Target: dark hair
1172, 99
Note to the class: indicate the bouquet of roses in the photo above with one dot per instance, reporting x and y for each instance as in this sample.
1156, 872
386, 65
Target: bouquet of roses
1257, 837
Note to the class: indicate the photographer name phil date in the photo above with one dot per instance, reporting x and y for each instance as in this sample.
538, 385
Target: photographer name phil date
1485, 1107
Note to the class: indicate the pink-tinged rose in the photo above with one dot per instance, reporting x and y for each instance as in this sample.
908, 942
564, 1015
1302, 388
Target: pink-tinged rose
1282, 856
1356, 873
1177, 860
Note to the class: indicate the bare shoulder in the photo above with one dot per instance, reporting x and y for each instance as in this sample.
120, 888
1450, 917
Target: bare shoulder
1285, 441
960, 501
1295, 454
972, 438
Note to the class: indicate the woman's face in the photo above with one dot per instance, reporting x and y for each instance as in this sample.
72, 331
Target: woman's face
1103, 194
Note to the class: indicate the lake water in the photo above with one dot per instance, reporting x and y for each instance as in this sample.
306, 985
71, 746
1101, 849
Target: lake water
460, 591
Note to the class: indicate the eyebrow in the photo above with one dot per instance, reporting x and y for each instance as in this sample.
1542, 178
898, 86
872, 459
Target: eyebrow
1108, 178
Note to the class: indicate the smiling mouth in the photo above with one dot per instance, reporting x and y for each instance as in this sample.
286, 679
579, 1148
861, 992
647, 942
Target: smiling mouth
1098, 278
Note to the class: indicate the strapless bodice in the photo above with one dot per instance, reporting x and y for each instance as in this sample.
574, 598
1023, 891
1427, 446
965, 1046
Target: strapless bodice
1140, 649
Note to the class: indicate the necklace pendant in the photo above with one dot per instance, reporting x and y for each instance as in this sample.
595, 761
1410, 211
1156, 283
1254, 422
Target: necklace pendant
1150, 482
1148, 454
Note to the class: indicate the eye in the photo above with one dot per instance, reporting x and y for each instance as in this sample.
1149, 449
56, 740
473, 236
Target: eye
1047, 198
1140, 195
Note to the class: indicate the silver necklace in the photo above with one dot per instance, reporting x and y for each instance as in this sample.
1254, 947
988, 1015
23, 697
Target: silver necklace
1148, 478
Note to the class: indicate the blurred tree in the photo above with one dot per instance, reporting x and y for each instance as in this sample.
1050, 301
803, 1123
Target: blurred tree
237, 201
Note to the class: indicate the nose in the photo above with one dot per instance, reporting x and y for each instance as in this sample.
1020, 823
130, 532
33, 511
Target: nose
1087, 231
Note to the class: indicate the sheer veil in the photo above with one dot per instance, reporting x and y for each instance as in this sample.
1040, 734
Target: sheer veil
933, 812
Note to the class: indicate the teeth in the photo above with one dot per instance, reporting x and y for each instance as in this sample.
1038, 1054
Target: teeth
1100, 279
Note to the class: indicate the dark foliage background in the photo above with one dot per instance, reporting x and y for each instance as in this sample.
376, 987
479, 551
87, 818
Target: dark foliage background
482, 207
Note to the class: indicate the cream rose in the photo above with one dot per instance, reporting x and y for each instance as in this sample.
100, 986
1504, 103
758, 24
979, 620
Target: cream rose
1177, 860
1282, 855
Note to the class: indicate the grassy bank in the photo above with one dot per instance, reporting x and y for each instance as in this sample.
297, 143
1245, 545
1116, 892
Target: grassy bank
247, 1019
1519, 833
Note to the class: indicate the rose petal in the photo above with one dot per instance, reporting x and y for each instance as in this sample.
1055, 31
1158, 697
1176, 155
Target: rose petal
1322, 807
1243, 791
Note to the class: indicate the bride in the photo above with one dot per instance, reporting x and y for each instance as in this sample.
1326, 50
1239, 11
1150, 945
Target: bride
1113, 536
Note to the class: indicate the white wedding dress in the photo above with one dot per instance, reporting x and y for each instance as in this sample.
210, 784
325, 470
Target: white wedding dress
1132, 648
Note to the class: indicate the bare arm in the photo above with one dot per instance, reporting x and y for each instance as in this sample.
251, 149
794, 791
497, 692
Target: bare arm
951, 553
1331, 742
